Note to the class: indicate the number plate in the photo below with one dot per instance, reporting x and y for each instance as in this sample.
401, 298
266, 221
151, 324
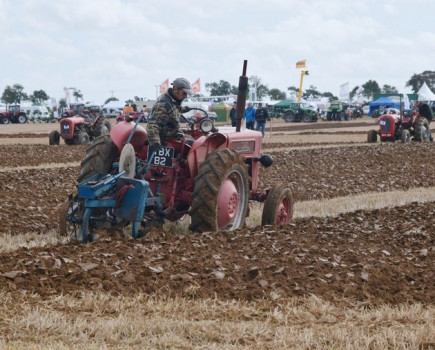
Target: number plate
164, 157
383, 122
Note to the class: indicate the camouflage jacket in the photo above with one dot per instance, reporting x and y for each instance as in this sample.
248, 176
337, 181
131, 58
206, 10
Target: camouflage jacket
165, 118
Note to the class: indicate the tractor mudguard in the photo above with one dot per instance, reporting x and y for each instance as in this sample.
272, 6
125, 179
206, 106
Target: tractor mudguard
121, 132
201, 148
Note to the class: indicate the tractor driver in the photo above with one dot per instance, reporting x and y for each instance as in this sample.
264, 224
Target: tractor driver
165, 116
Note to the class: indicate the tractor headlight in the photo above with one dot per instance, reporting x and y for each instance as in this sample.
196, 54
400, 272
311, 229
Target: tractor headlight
206, 125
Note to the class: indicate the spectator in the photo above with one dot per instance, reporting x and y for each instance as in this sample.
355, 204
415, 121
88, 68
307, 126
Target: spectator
250, 116
127, 109
233, 114
261, 115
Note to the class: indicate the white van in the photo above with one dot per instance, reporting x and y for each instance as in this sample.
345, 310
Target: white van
37, 113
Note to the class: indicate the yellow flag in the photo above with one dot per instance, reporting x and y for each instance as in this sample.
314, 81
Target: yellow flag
300, 64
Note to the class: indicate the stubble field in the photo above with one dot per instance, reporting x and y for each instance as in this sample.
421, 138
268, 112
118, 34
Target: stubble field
354, 269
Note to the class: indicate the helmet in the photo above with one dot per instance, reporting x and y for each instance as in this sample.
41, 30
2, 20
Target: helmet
183, 84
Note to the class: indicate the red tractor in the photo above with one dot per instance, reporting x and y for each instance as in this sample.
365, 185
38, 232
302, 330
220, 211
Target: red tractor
406, 127
81, 128
207, 173
13, 115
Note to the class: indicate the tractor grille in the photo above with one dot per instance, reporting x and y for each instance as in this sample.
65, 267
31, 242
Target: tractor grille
65, 129
386, 125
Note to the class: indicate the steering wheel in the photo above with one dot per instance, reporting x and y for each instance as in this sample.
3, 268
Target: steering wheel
192, 121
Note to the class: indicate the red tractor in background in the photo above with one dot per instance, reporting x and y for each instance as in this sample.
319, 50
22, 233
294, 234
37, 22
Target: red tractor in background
207, 173
81, 128
13, 115
406, 127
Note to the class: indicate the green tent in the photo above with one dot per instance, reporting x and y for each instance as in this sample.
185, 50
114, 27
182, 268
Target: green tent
222, 110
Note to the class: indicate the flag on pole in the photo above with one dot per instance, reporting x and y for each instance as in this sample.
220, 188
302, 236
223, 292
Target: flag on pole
196, 86
344, 90
164, 86
300, 64
406, 103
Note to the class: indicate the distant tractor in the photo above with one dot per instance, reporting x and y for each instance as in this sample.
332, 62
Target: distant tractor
13, 115
336, 111
394, 127
80, 129
300, 112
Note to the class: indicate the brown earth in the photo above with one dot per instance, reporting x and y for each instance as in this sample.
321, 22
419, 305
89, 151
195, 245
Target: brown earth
375, 257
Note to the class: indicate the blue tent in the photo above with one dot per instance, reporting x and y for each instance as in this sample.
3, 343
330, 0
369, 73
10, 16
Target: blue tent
383, 102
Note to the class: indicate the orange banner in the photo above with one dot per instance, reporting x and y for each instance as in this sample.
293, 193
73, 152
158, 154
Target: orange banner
300, 64
164, 86
196, 86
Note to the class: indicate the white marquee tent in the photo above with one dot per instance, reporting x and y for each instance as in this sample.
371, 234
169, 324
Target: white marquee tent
425, 94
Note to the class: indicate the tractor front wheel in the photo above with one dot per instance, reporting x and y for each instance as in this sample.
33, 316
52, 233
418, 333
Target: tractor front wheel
99, 158
220, 197
278, 207
4, 120
372, 136
54, 138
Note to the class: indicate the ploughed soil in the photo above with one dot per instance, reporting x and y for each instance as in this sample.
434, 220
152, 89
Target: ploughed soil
373, 257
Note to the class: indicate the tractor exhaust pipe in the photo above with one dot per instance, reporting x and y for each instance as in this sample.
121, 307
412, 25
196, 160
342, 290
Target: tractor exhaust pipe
241, 97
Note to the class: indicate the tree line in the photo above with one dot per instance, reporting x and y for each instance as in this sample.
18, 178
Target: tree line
370, 88
15, 93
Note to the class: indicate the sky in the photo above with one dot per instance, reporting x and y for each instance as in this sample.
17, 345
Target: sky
127, 48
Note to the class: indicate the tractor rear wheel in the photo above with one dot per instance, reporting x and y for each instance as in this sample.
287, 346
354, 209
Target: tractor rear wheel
54, 138
421, 131
278, 207
220, 197
70, 219
372, 136
406, 136
102, 127
290, 117
99, 158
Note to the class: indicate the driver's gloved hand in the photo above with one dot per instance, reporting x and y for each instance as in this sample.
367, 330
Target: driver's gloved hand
155, 147
186, 109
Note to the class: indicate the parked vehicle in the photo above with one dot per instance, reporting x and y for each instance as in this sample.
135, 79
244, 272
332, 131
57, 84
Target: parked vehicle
144, 117
37, 113
14, 114
336, 111
294, 112
112, 112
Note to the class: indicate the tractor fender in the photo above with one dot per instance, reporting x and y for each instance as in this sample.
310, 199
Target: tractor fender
202, 147
121, 132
